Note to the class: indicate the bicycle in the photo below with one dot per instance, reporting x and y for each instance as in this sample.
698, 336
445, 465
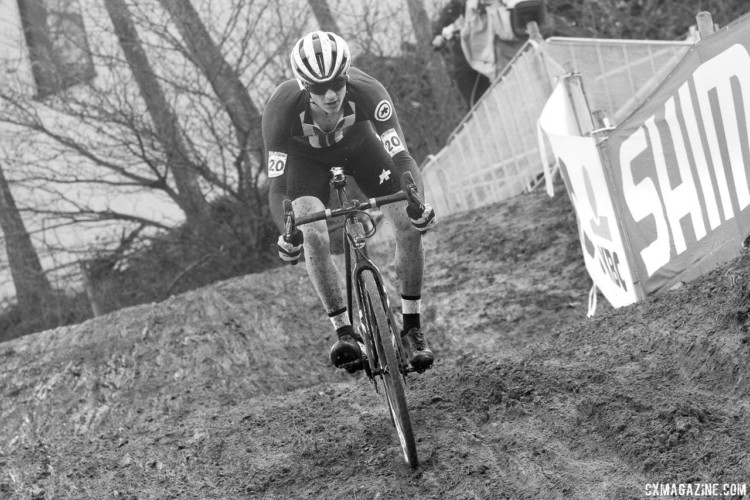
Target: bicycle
384, 355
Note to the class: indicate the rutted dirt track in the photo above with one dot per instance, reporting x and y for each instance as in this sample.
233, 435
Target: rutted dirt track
225, 392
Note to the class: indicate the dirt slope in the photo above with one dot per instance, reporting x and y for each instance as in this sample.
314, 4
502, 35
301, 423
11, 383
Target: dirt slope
225, 392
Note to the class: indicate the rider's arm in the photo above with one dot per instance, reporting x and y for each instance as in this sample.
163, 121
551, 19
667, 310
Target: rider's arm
378, 107
385, 121
276, 195
275, 125
448, 14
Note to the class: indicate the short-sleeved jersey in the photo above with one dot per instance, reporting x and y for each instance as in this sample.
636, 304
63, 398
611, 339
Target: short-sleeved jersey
288, 125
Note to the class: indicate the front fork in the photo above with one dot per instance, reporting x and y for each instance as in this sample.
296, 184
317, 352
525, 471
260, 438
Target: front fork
382, 300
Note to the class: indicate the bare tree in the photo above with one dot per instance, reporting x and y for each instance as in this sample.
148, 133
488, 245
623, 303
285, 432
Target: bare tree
98, 139
33, 289
227, 85
442, 87
82, 154
322, 11
185, 174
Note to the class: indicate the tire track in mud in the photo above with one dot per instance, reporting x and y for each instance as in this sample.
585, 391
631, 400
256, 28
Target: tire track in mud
336, 441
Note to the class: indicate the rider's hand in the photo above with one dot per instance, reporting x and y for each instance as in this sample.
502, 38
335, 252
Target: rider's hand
422, 220
290, 250
448, 32
438, 42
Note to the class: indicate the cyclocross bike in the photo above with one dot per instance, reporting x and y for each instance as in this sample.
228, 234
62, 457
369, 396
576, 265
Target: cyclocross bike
384, 355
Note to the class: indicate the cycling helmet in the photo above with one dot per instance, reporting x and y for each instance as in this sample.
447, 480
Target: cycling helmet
319, 57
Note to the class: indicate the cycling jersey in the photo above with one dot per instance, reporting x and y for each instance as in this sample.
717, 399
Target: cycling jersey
367, 141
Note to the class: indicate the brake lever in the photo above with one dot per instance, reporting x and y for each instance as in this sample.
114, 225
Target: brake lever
412, 193
289, 224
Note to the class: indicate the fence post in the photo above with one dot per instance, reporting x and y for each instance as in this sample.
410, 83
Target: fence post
602, 125
705, 24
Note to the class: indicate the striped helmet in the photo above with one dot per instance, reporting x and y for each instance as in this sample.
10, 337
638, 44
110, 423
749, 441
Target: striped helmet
319, 57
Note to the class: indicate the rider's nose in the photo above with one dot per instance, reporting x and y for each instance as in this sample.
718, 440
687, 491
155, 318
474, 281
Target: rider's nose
330, 95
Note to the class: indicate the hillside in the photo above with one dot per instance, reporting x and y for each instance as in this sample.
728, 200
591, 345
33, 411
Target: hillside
225, 392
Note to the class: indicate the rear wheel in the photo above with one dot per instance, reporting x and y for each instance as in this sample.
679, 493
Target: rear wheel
385, 340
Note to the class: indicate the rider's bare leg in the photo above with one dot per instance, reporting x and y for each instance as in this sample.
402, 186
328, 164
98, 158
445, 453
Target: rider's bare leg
325, 279
409, 250
410, 268
320, 266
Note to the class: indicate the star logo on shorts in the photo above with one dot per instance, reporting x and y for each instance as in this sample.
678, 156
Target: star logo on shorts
385, 175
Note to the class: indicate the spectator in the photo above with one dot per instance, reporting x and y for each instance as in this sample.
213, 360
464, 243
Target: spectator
471, 83
494, 30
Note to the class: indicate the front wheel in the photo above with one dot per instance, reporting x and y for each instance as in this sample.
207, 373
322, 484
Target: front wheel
385, 340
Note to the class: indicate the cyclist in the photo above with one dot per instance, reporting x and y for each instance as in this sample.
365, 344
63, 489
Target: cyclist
332, 114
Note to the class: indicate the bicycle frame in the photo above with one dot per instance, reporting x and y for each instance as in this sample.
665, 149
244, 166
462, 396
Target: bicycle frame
357, 263
356, 271
384, 352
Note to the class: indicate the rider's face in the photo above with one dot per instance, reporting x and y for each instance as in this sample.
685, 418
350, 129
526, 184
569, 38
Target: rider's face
331, 101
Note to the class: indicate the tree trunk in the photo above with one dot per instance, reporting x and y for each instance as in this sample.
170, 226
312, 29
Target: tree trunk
190, 199
322, 11
227, 84
442, 87
33, 289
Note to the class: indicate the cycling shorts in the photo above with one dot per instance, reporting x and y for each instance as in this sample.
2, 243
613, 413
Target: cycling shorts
360, 153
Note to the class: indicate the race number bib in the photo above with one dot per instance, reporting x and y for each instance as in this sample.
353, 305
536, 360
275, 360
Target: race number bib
276, 163
392, 142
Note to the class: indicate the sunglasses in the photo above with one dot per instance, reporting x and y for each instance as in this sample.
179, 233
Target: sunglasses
336, 84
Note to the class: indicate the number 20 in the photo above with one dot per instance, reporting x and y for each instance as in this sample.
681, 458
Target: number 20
275, 166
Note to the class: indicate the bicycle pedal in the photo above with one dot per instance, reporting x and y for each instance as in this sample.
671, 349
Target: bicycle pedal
357, 365
353, 366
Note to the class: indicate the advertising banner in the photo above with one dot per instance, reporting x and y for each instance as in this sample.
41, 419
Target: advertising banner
679, 164
580, 164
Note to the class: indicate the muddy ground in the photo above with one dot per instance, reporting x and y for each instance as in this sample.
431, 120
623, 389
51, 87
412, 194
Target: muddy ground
225, 392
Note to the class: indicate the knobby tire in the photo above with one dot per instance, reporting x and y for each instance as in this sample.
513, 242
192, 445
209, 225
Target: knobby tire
385, 341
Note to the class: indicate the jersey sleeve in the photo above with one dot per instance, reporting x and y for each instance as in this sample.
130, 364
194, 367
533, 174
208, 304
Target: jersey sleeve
378, 107
276, 124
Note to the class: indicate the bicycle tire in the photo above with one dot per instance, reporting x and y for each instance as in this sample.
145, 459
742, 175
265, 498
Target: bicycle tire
393, 382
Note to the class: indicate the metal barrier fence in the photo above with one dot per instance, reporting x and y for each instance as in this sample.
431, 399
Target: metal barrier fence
494, 154
617, 74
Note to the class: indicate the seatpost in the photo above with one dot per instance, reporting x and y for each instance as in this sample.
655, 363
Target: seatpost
338, 178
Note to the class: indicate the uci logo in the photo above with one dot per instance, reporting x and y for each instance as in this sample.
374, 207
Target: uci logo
383, 111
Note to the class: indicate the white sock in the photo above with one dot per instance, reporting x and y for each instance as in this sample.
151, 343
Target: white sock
411, 305
339, 318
